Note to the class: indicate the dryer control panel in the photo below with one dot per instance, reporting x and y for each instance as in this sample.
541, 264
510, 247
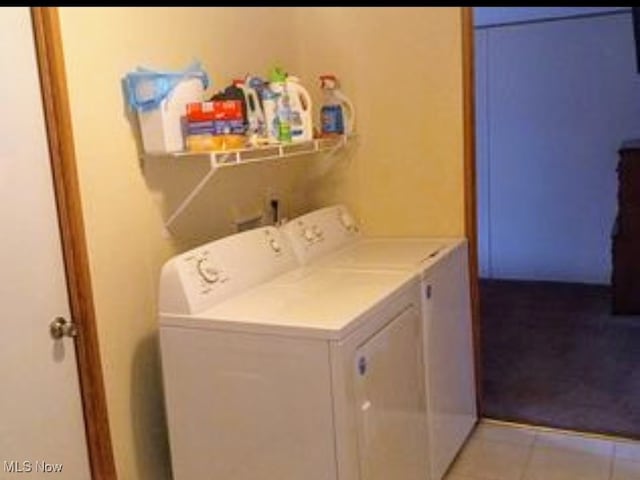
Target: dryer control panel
320, 232
201, 277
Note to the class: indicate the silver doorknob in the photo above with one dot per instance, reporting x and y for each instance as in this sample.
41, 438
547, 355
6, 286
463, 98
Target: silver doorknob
61, 327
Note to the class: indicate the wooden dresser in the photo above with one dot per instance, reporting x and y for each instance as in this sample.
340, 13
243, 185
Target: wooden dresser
626, 233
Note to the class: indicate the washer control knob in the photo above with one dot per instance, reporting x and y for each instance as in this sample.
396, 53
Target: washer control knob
318, 233
308, 235
275, 245
207, 272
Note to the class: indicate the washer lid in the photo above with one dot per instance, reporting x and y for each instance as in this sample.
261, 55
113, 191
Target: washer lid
326, 303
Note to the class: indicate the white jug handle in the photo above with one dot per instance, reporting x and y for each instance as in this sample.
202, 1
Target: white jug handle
351, 116
306, 98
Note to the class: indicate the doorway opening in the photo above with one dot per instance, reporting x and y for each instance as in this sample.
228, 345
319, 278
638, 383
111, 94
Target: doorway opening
557, 93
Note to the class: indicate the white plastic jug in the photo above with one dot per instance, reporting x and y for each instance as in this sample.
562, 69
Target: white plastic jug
255, 114
270, 108
162, 128
160, 99
301, 118
300, 105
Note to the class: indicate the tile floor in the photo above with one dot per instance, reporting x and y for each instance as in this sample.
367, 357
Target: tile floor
497, 451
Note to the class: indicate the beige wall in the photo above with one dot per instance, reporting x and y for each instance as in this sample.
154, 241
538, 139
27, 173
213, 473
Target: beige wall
402, 69
122, 205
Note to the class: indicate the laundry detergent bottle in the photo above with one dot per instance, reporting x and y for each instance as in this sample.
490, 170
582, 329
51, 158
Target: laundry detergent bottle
270, 109
282, 103
301, 119
294, 106
255, 113
337, 114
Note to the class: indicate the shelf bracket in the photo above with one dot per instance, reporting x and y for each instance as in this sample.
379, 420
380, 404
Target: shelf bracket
193, 194
340, 144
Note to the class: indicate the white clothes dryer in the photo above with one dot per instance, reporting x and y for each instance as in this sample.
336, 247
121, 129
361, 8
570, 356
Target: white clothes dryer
274, 372
329, 238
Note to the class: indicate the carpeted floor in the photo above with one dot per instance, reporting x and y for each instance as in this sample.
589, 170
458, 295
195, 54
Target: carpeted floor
554, 355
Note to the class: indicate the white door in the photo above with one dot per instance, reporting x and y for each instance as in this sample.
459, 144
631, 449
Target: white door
392, 436
41, 422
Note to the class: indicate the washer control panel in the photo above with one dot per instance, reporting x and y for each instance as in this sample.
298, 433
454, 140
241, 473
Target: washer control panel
320, 232
202, 271
207, 271
197, 279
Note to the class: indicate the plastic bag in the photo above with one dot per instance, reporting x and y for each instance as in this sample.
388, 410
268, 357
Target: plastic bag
146, 88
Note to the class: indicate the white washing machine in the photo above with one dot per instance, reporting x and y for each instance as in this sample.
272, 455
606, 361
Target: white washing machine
329, 239
272, 372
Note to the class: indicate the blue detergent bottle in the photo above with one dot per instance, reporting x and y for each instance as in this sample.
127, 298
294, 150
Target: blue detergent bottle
337, 115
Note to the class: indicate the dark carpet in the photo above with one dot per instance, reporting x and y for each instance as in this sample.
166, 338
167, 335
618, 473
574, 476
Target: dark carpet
554, 355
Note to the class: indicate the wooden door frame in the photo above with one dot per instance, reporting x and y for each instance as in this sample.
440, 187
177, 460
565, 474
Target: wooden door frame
53, 84
470, 214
